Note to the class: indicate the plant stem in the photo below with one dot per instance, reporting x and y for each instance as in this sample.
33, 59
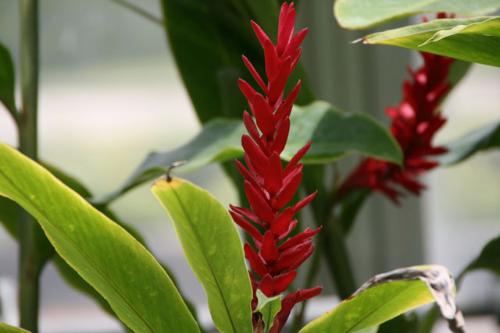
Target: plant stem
138, 10
30, 262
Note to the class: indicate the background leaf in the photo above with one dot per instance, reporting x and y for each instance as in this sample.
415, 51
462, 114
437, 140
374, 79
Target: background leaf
489, 258
363, 14
104, 254
213, 249
207, 39
334, 135
7, 81
475, 40
479, 140
384, 297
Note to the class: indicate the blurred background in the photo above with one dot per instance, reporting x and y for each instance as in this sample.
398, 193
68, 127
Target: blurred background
110, 93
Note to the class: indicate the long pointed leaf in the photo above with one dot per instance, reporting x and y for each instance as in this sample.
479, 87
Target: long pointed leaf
213, 249
334, 135
104, 254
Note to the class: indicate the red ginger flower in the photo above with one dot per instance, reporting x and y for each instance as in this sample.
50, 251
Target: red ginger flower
415, 121
270, 186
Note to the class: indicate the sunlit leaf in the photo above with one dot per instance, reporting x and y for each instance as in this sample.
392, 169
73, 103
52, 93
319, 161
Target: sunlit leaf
334, 134
388, 295
363, 14
4, 328
213, 249
103, 253
475, 40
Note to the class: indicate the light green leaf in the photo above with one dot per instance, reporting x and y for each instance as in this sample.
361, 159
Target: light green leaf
388, 295
213, 249
363, 14
4, 328
479, 140
104, 254
268, 308
475, 40
334, 134
207, 39
489, 258
7, 81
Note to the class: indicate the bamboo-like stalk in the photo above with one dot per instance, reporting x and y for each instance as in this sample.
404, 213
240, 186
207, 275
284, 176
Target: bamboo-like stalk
30, 261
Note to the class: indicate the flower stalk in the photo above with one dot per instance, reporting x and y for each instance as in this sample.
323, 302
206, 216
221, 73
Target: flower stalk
269, 185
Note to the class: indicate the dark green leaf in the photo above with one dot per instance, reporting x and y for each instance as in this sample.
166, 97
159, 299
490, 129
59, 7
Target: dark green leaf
363, 14
104, 254
7, 81
214, 251
484, 138
489, 258
400, 324
475, 40
334, 135
207, 39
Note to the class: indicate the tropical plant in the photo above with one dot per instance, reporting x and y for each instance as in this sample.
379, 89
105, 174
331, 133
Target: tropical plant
288, 141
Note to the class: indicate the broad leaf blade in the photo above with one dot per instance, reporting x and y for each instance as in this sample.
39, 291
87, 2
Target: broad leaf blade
475, 40
213, 249
489, 258
104, 254
386, 296
363, 14
4, 328
334, 134
7, 81
207, 39
268, 308
479, 140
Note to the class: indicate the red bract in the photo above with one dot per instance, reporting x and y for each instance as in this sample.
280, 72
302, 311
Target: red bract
415, 121
270, 186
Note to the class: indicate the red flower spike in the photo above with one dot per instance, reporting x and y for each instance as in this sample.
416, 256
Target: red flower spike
270, 186
413, 124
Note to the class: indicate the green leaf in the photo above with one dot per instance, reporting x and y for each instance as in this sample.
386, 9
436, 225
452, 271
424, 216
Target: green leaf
213, 249
334, 134
489, 258
475, 40
4, 328
104, 254
363, 14
388, 295
484, 138
268, 308
7, 81
207, 39
403, 323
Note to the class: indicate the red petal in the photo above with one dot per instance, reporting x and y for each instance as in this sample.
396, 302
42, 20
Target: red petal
298, 239
266, 285
250, 126
283, 281
290, 186
258, 203
256, 263
281, 136
280, 224
254, 73
261, 35
304, 202
263, 114
269, 251
247, 226
285, 30
255, 154
285, 107
296, 158
274, 176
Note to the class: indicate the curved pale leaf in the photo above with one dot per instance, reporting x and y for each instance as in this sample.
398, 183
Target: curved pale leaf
363, 14
213, 249
334, 135
4, 328
7, 81
104, 254
268, 308
475, 40
388, 295
484, 138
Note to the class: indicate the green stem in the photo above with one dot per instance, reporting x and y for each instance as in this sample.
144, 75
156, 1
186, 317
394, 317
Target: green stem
138, 10
30, 261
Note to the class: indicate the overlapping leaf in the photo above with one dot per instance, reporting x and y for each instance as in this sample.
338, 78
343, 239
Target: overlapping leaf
479, 140
489, 258
213, 249
363, 14
4, 328
104, 254
334, 134
475, 40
